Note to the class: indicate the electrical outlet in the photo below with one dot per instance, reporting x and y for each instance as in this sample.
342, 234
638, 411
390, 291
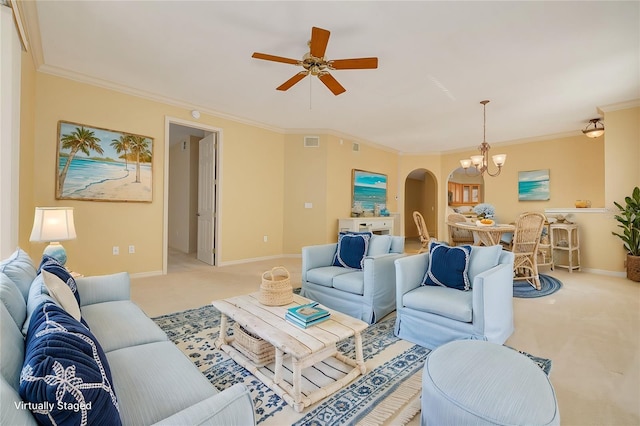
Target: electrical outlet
132, 249
265, 239
116, 250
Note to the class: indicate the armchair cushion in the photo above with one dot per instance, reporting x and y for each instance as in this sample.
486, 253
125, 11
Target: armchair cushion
379, 244
448, 266
324, 276
352, 282
351, 250
482, 259
443, 301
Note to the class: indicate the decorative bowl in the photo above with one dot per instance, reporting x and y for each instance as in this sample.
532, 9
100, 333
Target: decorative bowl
583, 204
485, 222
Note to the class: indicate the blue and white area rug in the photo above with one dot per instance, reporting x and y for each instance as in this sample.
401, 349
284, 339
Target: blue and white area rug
548, 285
389, 393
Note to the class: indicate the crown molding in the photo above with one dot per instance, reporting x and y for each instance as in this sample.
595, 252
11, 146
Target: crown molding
634, 103
32, 29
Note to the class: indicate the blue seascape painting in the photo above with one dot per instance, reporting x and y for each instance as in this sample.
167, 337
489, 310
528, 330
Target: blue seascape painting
533, 185
369, 189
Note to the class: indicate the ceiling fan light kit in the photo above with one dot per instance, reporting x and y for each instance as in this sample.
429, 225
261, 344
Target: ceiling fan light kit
315, 63
595, 131
481, 162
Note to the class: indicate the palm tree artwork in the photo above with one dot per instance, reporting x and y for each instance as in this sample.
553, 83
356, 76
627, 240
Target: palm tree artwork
139, 146
80, 139
122, 145
96, 164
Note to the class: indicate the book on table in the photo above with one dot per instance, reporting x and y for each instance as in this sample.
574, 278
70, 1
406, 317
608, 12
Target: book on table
308, 312
304, 324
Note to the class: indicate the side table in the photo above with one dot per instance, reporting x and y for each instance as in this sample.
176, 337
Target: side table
564, 239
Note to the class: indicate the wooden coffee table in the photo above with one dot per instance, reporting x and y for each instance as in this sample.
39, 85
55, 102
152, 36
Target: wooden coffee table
301, 348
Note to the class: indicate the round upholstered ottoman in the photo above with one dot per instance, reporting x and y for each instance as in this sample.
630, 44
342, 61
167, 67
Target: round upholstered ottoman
473, 382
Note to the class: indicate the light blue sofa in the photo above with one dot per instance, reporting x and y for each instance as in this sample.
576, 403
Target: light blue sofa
432, 315
154, 381
368, 294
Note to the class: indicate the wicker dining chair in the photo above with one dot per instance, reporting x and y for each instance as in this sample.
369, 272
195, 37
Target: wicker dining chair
458, 236
422, 231
526, 239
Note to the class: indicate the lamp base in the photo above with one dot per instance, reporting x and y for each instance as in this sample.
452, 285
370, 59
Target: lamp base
56, 251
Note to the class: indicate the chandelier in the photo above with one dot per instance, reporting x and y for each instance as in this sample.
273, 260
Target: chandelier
595, 131
481, 162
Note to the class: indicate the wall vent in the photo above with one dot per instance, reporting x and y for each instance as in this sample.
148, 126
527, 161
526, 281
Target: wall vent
355, 147
311, 141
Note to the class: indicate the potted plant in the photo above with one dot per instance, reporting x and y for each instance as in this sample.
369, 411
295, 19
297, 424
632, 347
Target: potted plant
629, 221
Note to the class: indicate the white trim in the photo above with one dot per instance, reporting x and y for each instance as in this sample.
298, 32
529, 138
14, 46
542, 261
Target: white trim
146, 274
605, 272
168, 120
10, 76
568, 210
620, 105
257, 259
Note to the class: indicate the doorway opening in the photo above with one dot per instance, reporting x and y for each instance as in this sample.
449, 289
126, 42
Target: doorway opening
420, 194
192, 170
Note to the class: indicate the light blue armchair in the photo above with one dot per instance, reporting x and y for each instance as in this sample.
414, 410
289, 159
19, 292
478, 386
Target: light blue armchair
368, 294
432, 315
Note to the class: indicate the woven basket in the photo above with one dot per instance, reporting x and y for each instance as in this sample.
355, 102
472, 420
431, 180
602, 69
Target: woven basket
633, 268
276, 289
259, 351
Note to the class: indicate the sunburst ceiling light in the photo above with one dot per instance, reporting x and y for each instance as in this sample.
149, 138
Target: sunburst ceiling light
595, 131
481, 162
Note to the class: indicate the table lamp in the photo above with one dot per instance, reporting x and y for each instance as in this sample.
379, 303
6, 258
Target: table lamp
52, 225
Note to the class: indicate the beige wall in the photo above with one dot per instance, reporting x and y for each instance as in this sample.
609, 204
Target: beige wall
251, 190
267, 177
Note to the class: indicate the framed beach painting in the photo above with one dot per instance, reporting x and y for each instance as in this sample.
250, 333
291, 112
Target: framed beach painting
369, 190
533, 185
95, 164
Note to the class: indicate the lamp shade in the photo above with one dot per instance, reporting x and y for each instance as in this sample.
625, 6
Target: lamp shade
53, 224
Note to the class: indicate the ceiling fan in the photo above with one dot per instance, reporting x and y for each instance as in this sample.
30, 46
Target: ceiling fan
315, 63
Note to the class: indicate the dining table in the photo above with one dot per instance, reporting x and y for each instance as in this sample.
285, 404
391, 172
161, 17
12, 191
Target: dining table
489, 235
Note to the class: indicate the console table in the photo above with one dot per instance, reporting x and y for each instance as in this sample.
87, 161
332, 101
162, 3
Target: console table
377, 225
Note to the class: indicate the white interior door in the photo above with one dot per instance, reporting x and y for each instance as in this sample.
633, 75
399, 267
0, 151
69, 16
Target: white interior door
206, 199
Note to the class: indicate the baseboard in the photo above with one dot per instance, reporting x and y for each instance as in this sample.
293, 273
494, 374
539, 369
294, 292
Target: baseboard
605, 272
257, 259
145, 274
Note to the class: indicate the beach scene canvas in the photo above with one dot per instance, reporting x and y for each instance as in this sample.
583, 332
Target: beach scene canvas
369, 189
533, 185
95, 164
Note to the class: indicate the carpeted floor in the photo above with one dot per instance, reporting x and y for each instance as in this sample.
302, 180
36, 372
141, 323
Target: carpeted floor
389, 393
548, 285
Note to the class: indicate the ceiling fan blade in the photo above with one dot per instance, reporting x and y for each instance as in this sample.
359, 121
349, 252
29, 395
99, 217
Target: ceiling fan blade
274, 58
332, 83
319, 41
293, 80
354, 64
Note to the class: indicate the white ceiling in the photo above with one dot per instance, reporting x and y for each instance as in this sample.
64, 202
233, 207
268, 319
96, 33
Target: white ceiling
546, 66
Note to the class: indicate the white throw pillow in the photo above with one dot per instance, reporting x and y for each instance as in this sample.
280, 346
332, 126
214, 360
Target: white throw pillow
61, 292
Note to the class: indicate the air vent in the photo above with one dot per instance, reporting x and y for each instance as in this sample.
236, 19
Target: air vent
355, 147
311, 141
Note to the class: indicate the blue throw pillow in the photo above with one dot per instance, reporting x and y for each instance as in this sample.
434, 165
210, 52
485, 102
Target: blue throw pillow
50, 264
351, 250
65, 375
448, 266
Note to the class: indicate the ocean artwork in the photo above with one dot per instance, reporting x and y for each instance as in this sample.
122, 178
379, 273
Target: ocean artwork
533, 185
97, 164
369, 190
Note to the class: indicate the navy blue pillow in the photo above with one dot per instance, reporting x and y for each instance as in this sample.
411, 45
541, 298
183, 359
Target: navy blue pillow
448, 266
65, 372
50, 264
351, 250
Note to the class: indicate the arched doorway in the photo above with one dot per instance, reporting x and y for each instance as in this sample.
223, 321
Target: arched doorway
420, 194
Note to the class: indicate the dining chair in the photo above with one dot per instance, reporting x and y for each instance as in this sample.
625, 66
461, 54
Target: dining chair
458, 236
422, 231
526, 239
